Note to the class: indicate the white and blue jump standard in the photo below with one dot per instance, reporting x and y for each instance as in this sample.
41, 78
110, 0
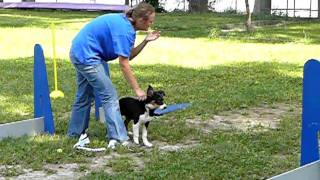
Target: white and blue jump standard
43, 119
310, 163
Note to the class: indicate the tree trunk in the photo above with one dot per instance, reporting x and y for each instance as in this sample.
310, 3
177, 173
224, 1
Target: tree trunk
318, 9
248, 16
127, 2
262, 6
198, 5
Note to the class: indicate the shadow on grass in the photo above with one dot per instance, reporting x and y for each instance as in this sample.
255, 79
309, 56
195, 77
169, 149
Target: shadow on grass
42, 18
303, 31
211, 90
179, 25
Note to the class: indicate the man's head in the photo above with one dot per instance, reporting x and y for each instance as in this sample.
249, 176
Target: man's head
142, 16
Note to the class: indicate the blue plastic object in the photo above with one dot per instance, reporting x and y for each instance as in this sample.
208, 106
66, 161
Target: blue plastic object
171, 108
42, 103
310, 112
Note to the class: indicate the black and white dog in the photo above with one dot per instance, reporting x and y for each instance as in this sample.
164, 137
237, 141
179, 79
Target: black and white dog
141, 112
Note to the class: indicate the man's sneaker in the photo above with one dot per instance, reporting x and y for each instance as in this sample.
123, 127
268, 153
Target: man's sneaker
83, 141
126, 143
112, 144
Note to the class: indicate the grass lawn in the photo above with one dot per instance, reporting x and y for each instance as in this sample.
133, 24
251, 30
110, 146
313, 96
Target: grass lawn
194, 61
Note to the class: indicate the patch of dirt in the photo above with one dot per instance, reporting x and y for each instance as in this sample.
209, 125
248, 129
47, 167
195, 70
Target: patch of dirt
73, 170
256, 118
52, 171
165, 147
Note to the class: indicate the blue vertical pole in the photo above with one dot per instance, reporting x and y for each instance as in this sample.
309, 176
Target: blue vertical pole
42, 103
310, 112
97, 99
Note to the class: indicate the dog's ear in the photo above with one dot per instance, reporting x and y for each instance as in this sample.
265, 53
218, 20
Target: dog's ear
150, 91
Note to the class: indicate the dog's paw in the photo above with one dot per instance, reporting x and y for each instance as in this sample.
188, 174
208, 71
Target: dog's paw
147, 144
136, 141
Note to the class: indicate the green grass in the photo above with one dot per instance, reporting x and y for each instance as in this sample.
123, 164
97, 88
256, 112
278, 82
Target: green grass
227, 71
222, 155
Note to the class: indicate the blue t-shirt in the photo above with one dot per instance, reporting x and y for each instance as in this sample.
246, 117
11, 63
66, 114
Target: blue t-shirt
104, 38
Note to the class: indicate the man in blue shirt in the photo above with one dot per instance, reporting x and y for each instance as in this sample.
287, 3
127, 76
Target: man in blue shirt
106, 38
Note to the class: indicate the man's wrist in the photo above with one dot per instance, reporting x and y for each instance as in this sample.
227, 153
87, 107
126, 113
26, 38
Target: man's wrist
136, 88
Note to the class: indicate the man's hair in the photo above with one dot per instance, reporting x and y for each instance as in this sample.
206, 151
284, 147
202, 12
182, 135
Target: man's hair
142, 10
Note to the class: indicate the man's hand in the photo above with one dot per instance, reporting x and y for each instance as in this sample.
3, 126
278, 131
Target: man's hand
152, 36
141, 95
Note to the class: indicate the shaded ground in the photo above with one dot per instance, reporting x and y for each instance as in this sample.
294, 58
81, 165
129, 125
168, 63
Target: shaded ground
254, 24
256, 118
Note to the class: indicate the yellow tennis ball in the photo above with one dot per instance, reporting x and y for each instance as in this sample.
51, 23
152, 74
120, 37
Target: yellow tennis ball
59, 150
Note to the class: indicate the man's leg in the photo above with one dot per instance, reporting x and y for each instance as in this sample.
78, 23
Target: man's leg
81, 109
102, 84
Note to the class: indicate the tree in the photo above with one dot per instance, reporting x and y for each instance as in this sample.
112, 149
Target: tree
262, 6
156, 5
318, 9
248, 16
198, 5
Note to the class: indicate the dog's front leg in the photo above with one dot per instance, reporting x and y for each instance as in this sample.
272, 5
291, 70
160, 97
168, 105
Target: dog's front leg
145, 135
135, 130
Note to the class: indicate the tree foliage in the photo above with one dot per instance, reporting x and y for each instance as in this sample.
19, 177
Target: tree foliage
156, 5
